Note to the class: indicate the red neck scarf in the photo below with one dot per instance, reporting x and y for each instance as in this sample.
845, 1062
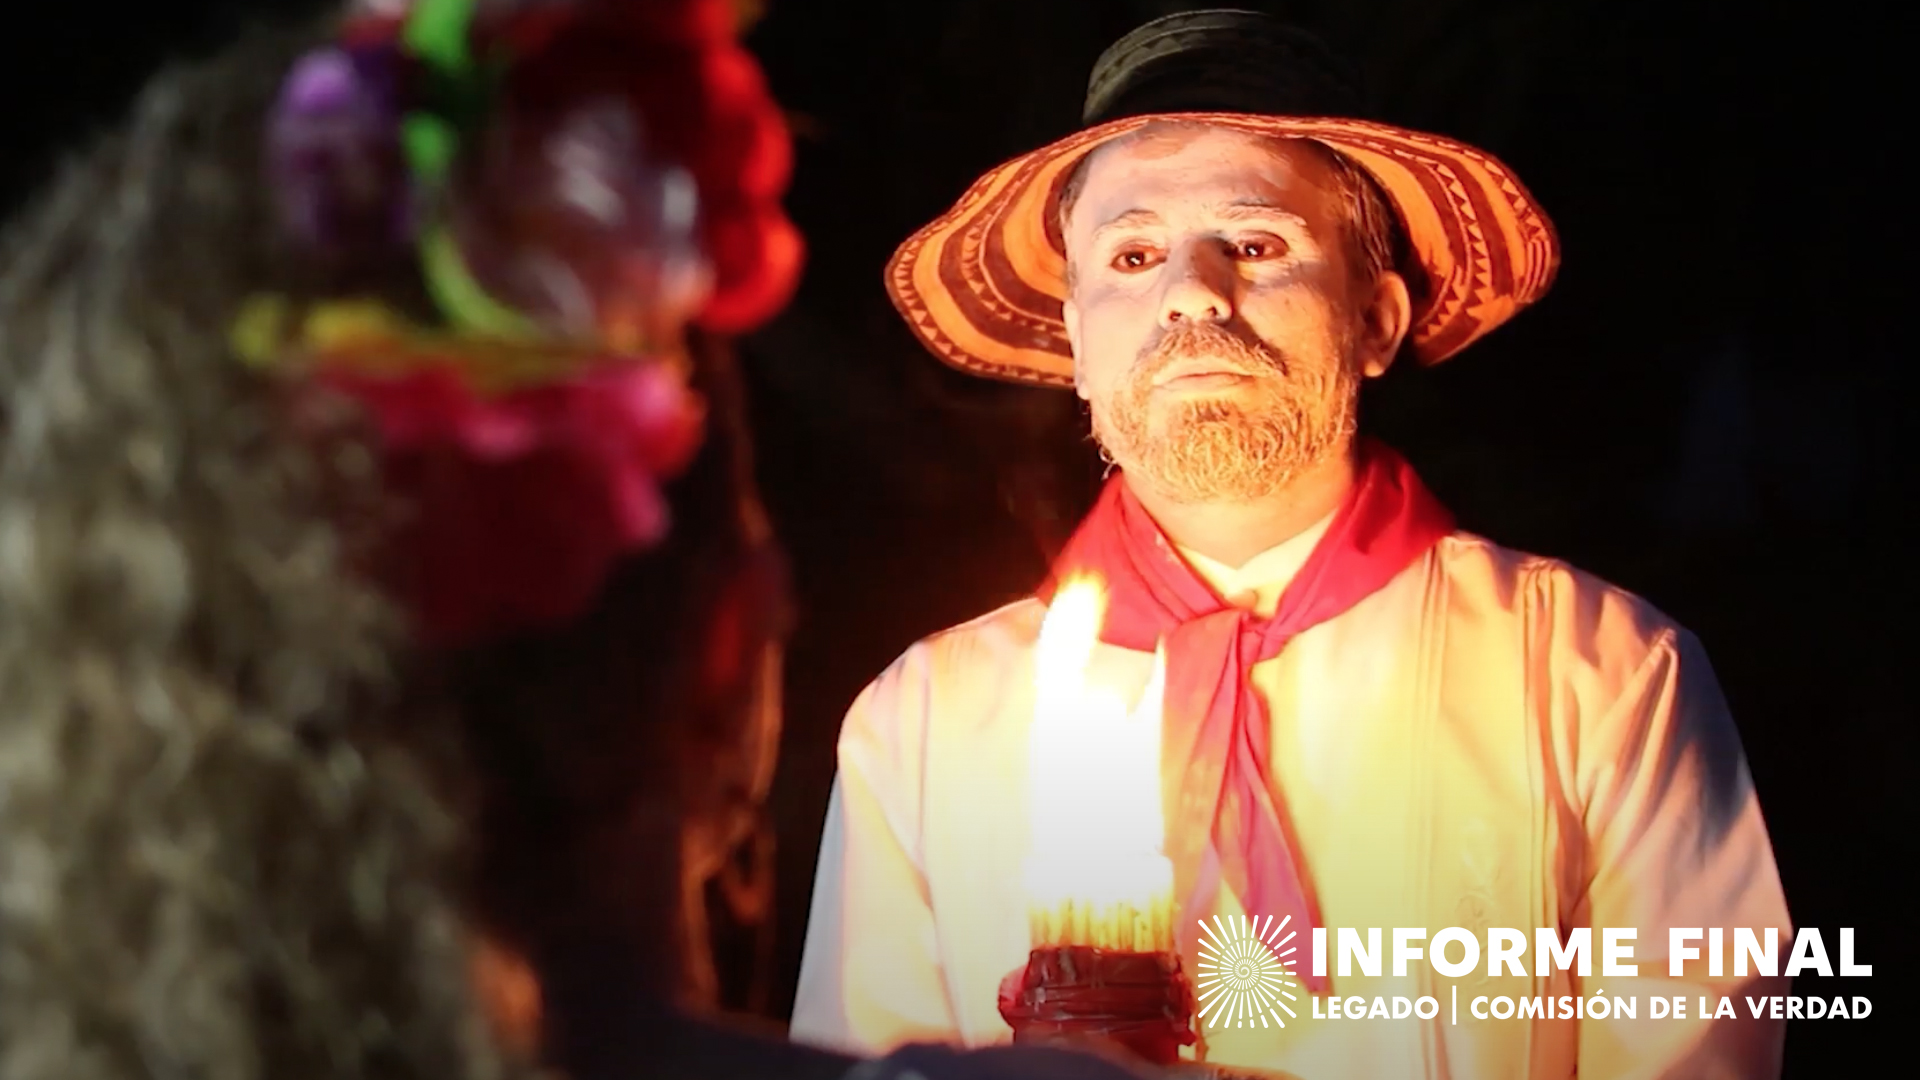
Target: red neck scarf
1221, 814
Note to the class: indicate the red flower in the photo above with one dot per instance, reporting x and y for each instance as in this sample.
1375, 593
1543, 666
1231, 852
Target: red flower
708, 108
520, 504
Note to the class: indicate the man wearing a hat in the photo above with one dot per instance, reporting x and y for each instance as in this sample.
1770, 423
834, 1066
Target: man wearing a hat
1372, 719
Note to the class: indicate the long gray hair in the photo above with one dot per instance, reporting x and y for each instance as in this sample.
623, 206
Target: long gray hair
212, 864
245, 829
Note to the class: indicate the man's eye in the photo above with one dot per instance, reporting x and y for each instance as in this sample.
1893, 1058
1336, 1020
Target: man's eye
1133, 259
1262, 248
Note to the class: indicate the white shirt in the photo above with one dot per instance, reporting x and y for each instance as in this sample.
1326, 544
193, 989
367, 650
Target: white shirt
1491, 740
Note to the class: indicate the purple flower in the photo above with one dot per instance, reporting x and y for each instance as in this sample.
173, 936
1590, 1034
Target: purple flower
334, 154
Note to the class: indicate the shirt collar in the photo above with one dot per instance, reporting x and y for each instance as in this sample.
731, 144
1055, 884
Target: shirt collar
1257, 583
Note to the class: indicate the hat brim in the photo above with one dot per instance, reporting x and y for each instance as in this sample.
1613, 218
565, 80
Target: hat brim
982, 285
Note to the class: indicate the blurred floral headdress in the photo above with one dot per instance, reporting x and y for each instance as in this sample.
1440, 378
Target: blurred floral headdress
572, 184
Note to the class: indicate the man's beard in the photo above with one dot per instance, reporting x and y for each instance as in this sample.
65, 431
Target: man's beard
1225, 449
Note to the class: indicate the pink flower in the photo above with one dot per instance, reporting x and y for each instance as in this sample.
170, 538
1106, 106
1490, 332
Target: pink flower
520, 504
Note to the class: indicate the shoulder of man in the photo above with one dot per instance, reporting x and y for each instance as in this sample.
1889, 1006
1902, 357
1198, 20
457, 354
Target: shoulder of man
938, 674
1581, 620
973, 649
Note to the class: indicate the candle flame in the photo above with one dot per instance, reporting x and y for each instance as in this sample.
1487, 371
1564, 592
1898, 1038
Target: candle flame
1068, 635
1098, 829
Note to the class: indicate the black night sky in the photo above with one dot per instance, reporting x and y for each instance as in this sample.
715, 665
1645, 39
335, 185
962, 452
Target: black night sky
1702, 411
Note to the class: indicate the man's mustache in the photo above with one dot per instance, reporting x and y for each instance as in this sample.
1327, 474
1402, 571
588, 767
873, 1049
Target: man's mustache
1244, 353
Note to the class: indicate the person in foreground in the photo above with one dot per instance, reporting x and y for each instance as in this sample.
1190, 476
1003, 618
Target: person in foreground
388, 625
1372, 719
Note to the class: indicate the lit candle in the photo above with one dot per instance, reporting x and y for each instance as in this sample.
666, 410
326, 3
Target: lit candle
1096, 873
1103, 965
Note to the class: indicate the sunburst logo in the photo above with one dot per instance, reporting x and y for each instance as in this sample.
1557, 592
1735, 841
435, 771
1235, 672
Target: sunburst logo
1244, 973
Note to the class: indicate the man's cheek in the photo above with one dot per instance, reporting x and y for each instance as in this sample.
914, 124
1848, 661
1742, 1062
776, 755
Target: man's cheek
1103, 367
1117, 305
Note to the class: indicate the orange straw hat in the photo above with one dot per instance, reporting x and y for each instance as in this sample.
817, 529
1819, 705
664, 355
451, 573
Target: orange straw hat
982, 285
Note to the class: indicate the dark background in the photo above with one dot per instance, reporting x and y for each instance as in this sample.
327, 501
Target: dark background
1702, 411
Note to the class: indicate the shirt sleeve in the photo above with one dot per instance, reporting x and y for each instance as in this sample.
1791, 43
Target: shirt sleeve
870, 972
1675, 838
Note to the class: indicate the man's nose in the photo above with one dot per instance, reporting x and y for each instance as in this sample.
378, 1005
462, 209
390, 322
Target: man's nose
1198, 285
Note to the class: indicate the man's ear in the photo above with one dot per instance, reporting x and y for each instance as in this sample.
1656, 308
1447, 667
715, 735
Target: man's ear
1384, 322
1070, 315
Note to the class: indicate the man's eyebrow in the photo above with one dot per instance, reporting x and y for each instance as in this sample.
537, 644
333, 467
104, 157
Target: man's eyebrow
1236, 210
1129, 219
1244, 209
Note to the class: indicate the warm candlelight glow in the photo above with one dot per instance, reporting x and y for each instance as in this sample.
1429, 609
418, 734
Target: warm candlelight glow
1095, 874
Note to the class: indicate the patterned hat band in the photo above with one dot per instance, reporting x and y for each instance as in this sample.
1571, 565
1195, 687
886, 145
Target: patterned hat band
982, 286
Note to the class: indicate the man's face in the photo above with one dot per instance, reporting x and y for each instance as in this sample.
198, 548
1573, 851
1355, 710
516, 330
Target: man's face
1218, 331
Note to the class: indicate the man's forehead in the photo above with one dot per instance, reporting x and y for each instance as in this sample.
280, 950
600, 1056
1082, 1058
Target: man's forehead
1214, 170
